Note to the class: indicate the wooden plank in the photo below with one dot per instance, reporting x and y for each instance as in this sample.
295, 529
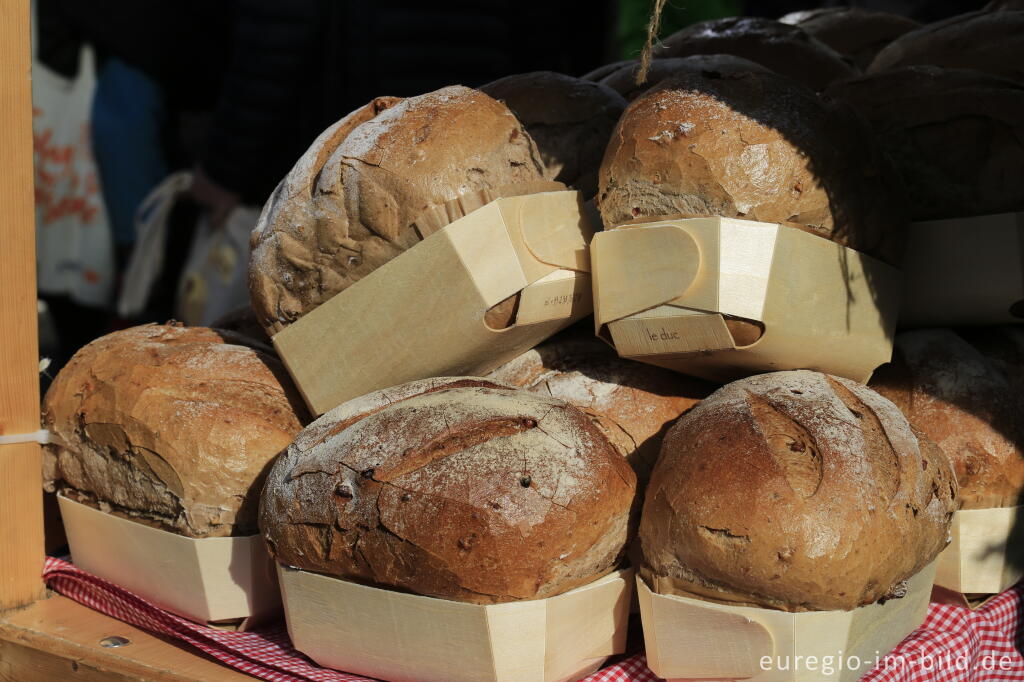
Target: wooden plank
21, 500
58, 638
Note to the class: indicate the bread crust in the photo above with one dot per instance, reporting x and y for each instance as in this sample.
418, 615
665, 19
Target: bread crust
968, 400
795, 491
456, 488
955, 135
569, 118
623, 79
992, 42
632, 403
170, 425
856, 33
757, 146
350, 203
783, 48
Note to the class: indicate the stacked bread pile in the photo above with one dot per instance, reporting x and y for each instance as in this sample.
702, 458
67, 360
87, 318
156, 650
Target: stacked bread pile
786, 491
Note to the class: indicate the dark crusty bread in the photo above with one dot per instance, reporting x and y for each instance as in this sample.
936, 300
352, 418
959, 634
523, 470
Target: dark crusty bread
455, 488
350, 203
605, 69
569, 118
795, 491
955, 135
170, 425
633, 403
968, 399
992, 42
783, 48
243, 321
623, 79
753, 145
854, 32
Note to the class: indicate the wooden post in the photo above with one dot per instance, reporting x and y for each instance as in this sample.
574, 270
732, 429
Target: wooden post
21, 500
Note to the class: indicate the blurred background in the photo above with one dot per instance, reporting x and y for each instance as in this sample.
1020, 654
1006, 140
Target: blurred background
162, 127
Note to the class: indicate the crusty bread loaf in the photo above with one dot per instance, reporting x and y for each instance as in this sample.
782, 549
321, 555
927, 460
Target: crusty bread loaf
170, 425
605, 69
955, 135
243, 321
454, 488
992, 42
795, 491
631, 402
968, 400
351, 202
623, 79
569, 118
854, 32
783, 48
752, 145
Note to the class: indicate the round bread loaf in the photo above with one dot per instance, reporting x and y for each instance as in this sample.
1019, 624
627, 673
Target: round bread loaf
956, 136
752, 145
243, 321
856, 33
351, 202
631, 402
605, 69
569, 118
455, 488
623, 79
992, 42
795, 491
169, 425
968, 402
783, 48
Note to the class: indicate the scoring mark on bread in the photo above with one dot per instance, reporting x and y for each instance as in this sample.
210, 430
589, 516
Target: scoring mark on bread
791, 446
723, 536
881, 452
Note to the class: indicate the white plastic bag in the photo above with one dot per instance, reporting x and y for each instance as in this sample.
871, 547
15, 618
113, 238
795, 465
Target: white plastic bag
74, 243
215, 280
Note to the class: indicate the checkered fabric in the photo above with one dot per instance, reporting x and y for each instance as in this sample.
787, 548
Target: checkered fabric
953, 645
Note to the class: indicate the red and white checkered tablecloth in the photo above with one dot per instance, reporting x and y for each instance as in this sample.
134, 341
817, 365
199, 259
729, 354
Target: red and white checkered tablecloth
954, 644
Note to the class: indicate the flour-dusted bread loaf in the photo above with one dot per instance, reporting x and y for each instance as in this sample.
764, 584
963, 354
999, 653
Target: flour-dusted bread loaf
752, 145
992, 42
854, 32
955, 135
351, 202
783, 48
569, 118
455, 488
169, 425
631, 402
623, 79
967, 399
795, 491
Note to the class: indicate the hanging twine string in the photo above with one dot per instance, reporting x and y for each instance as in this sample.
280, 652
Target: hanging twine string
653, 26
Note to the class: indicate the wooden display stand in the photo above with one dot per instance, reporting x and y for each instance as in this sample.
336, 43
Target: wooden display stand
360, 629
664, 293
690, 639
45, 637
218, 581
984, 556
535, 245
964, 271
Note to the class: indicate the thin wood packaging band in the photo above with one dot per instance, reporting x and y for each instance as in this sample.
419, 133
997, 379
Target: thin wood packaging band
408, 637
692, 639
422, 313
670, 292
984, 555
964, 271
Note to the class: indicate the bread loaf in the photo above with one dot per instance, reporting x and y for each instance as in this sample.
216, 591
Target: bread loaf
243, 321
351, 202
968, 400
992, 42
454, 488
632, 403
956, 136
856, 33
569, 118
623, 79
796, 491
752, 145
783, 48
171, 426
